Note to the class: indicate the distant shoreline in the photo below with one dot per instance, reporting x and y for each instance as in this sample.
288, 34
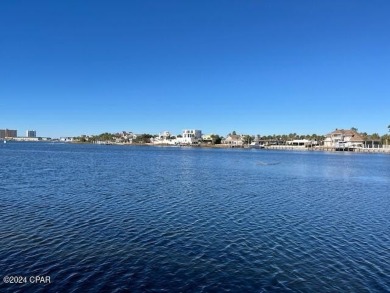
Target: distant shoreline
385, 150
272, 147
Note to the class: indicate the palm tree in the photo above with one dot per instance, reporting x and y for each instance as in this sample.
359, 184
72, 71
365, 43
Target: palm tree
386, 137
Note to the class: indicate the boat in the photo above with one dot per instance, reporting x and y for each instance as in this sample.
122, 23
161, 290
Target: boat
256, 145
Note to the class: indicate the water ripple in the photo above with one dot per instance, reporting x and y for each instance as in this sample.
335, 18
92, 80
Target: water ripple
121, 219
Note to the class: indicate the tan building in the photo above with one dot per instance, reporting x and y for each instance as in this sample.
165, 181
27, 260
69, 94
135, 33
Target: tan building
234, 140
8, 133
208, 138
341, 138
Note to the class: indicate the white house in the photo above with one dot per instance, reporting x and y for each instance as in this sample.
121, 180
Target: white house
66, 139
164, 135
190, 136
163, 138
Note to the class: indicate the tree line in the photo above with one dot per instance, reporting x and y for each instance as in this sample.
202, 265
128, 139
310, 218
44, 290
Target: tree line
217, 139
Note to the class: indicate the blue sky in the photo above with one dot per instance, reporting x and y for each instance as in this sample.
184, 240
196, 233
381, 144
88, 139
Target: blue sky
261, 67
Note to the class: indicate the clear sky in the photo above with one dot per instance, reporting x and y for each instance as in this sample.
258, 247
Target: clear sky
258, 66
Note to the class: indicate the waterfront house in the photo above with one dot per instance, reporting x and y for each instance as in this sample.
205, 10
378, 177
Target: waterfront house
164, 137
341, 138
234, 140
66, 139
125, 137
208, 138
190, 136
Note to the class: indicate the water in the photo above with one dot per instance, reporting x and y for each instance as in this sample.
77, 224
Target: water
145, 219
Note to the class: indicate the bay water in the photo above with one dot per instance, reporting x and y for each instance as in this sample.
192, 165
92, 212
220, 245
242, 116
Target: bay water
100, 218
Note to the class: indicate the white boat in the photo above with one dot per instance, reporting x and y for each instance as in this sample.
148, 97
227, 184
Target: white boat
256, 145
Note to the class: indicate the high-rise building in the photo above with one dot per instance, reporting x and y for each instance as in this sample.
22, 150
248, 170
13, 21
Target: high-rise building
8, 133
11, 133
31, 133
